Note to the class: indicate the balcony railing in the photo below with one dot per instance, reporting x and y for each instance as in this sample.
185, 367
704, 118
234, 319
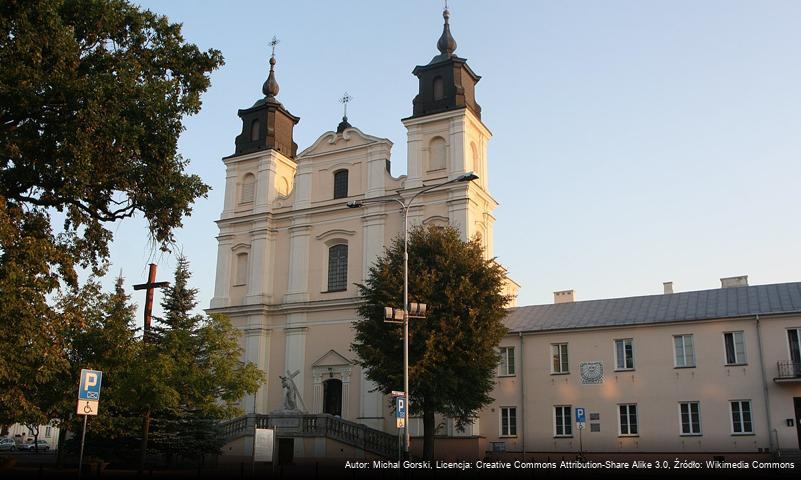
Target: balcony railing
789, 370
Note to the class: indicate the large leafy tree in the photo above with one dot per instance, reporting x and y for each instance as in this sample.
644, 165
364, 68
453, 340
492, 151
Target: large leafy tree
92, 98
452, 354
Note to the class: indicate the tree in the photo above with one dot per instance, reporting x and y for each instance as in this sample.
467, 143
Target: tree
92, 98
205, 375
452, 356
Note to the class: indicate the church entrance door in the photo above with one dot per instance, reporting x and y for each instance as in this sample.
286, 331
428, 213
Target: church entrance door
332, 396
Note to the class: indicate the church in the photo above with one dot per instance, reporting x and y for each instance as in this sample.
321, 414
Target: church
617, 376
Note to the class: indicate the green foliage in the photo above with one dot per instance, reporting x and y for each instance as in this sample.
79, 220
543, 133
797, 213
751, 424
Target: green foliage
204, 376
452, 357
92, 98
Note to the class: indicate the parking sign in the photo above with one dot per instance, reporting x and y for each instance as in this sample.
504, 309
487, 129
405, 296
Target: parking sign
580, 416
89, 388
400, 410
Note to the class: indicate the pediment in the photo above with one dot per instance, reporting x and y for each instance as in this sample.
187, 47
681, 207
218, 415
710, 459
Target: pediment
332, 142
332, 359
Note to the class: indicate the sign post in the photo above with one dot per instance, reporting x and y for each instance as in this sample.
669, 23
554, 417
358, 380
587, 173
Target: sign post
88, 401
580, 422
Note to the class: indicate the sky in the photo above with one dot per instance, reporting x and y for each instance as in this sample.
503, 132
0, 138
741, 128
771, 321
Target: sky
634, 142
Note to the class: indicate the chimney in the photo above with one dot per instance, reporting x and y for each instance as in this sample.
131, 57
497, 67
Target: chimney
731, 282
668, 287
563, 296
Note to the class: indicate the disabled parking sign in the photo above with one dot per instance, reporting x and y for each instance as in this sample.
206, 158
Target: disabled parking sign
89, 391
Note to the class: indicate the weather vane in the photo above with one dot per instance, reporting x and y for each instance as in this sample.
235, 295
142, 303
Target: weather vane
274, 42
344, 101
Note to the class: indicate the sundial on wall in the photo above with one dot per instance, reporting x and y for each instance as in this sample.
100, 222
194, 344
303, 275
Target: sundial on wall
591, 372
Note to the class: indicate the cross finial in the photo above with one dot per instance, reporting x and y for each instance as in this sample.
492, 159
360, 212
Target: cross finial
346, 98
274, 42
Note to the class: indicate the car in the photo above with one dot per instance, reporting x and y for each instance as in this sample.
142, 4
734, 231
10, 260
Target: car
7, 445
40, 445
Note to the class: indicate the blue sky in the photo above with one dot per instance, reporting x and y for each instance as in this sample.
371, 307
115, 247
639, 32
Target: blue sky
634, 142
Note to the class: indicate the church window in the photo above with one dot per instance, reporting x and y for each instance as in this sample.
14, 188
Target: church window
337, 268
436, 152
476, 160
341, 184
439, 88
255, 128
248, 188
241, 269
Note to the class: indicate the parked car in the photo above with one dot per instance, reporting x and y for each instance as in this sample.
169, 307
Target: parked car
7, 445
41, 445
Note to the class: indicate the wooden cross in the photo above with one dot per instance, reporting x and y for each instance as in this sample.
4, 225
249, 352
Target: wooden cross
150, 286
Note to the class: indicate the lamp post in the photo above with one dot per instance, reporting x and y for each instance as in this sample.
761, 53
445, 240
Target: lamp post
465, 177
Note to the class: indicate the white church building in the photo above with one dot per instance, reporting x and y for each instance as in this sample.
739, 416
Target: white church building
715, 371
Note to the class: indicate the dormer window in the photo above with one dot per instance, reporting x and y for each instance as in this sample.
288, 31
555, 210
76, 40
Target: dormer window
255, 126
340, 184
439, 88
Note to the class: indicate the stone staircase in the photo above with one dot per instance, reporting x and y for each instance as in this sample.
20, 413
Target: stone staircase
315, 425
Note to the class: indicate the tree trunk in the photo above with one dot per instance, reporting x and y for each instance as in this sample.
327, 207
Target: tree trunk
428, 434
143, 451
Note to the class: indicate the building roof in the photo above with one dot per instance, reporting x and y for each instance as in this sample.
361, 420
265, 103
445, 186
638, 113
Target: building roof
779, 298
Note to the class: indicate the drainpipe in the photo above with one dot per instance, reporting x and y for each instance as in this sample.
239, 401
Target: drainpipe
765, 391
522, 400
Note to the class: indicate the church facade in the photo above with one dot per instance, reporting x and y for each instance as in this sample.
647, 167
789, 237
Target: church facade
693, 372
290, 251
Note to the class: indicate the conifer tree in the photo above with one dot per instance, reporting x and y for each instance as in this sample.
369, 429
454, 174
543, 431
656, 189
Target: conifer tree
452, 352
205, 373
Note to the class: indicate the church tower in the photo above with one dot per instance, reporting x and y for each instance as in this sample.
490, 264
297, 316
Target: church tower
446, 138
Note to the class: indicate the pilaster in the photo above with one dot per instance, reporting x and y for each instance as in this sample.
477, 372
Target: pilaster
223, 275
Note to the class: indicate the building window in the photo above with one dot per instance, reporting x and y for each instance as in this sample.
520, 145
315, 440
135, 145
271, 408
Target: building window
563, 421
337, 268
241, 269
624, 354
685, 352
248, 188
741, 417
439, 88
506, 367
508, 421
437, 150
341, 184
735, 348
48, 431
690, 418
628, 419
794, 341
255, 128
559, 354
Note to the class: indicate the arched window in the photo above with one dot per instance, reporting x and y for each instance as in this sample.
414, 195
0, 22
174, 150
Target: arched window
255, 127
241, 269
332, 396
337, 268
248, 188
340, 184
439, 88
476, 160
436, 152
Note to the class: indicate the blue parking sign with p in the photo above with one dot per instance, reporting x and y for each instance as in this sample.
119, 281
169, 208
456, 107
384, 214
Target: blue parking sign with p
90, 384
580, 418
400, 410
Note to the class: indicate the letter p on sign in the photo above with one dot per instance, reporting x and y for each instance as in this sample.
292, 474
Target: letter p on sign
90, 384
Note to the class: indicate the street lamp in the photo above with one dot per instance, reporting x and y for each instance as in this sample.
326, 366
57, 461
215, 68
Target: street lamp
465, 177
